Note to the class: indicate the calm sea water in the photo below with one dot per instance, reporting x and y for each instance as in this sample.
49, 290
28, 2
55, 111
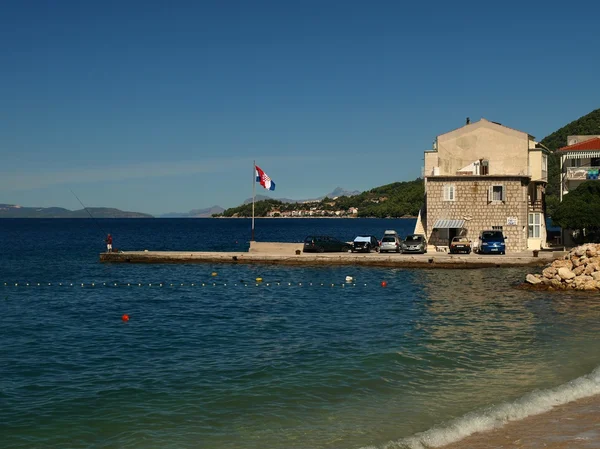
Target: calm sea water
301, 360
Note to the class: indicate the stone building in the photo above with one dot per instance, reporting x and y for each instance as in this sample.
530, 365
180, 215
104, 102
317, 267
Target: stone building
485, 176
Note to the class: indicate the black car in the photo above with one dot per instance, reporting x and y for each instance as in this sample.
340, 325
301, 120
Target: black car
414, 243
365, 243
323, 243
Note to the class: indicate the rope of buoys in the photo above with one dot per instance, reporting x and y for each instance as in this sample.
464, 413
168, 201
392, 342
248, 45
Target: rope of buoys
258, 283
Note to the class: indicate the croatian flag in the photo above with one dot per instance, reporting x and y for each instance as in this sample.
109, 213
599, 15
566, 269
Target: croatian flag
263, 179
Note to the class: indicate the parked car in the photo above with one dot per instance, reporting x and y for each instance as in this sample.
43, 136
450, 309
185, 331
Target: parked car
324, 243
365, 243
414, 243
460, 245
491, 242
390, 242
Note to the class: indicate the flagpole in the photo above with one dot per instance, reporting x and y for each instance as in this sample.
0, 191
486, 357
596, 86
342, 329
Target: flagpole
253, 195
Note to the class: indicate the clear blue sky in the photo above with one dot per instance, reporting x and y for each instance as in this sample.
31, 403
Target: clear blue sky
157, 106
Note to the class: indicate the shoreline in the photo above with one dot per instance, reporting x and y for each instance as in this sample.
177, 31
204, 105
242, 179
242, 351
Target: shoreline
571, 425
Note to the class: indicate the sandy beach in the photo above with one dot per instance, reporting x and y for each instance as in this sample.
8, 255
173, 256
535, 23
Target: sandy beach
570, 426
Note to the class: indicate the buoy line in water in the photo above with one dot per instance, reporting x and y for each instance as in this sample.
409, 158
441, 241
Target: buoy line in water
192, 284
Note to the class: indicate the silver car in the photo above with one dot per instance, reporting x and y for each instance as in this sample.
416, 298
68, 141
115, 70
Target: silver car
414, 243
390, 242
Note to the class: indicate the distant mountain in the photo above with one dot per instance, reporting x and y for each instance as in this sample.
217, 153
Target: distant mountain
195, 213
337, 192
15, 211
265, 197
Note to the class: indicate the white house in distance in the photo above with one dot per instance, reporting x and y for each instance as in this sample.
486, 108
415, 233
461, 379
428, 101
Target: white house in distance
481, 176
579, 162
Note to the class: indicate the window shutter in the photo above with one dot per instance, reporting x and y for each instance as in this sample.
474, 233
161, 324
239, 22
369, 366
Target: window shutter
503, 193
490, 193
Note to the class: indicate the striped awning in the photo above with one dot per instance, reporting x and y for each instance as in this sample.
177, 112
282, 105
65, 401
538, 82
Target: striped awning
449, 224
579, 154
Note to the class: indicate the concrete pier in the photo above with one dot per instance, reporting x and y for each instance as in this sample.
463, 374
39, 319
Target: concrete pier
291, 254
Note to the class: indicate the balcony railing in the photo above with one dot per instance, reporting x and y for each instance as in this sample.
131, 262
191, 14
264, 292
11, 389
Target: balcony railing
576, 173
536, 206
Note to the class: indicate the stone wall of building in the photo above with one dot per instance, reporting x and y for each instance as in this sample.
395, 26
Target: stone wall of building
471, 203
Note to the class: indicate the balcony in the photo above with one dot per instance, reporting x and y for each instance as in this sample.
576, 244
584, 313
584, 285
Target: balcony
582, 173
536, 206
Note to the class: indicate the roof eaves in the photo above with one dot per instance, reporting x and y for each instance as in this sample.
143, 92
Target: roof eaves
591, 144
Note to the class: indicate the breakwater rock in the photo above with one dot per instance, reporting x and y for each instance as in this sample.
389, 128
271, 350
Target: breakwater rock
577, 270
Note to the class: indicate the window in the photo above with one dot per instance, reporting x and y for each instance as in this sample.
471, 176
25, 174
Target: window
450, 193
544, 167
481, 167
534, 225
492, 234
485, 167
575, 162
497, 193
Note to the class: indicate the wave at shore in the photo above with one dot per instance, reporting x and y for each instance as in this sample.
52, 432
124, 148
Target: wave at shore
482, 420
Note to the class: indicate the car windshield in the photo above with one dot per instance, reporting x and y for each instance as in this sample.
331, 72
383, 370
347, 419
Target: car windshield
388, 239
414, 238
492, 235
362, 238
460, 239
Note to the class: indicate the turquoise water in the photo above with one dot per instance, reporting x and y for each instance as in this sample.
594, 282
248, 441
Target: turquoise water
300, 360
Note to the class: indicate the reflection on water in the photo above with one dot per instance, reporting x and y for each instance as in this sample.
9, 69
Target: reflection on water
306, 363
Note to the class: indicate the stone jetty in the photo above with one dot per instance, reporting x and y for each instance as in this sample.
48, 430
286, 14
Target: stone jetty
291, 254
579, 269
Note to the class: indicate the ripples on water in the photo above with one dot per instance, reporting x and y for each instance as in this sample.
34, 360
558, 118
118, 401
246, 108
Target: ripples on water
247, 366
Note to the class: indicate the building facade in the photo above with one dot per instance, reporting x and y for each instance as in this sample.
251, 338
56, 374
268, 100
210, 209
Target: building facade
485, 176
579, 162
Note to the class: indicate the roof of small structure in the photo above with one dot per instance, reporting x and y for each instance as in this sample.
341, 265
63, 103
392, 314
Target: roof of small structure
586, 145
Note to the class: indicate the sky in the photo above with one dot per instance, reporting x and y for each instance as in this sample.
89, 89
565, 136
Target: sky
157, 107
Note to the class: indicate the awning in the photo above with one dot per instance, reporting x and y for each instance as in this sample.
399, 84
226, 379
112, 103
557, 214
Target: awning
578, 154
450, 224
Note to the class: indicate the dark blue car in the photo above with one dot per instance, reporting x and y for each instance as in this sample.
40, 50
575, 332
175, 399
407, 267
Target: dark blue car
491, 242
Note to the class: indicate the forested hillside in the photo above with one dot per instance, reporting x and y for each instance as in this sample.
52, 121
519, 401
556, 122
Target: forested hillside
398, 199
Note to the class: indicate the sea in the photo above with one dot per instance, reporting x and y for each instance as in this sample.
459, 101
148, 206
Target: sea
265, 356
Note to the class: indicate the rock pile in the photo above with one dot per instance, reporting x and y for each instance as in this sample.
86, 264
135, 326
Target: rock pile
578, 270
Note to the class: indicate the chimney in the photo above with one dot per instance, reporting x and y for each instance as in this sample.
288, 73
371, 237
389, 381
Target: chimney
468, 120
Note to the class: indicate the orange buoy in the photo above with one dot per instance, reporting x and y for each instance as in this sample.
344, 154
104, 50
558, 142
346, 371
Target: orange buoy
383, 284
125, 318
